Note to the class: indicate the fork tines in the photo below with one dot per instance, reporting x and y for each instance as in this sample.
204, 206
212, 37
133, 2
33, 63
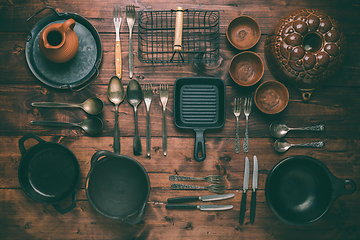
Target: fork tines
117, 13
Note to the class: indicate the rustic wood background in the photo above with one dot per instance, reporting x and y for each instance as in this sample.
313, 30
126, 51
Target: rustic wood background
336, 104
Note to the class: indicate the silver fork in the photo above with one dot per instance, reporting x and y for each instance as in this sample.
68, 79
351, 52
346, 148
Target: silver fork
237, 112
117, 23
164, 96
215, 188
247, 110
209, 179
147, 99
130, 18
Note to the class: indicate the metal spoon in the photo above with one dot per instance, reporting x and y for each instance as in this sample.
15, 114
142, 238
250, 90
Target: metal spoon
91, 126
116, 95
281, 145
134, 96
92, 106
279, 130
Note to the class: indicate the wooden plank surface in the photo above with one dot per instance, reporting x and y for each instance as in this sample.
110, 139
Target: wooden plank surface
336, 104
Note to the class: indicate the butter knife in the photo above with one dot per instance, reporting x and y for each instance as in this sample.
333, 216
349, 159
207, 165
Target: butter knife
254, 187
245, 188
206, 198
200, 207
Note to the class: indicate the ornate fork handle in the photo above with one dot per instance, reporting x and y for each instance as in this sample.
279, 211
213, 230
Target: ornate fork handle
237, 137
176, 186
183, 178
246, 138
319, 144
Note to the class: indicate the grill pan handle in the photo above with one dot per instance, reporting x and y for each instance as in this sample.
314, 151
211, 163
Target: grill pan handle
199, 151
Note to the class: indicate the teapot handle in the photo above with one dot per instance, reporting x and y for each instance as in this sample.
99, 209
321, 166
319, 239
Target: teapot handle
70, 23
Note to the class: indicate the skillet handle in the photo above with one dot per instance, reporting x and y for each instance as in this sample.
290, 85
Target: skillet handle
26, 137
340, 187
199, 151
134, 219
98, 155
65, 210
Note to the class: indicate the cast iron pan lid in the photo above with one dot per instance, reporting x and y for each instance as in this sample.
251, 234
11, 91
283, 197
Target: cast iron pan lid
301, 189
76, 73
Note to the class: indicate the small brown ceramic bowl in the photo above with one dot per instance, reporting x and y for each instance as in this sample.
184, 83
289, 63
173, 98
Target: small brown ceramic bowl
246, 68
243, 32
271, 97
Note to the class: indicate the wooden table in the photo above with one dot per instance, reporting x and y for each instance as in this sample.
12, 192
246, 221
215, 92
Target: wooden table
336, 104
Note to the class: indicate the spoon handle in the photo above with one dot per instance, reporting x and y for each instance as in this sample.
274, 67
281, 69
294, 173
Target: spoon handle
319, 144
116, 144
137, 149
317, 128
53, 124
53, 105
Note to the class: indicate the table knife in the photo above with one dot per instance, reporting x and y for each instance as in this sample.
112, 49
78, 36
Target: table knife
245, 188
254, 187
206, 198
200, 207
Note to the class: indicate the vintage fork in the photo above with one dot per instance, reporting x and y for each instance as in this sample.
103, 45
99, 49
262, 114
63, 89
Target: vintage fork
117, 23
237, 112
247, 110
215, 188
130, 18
147, 99
210, 179
164, 96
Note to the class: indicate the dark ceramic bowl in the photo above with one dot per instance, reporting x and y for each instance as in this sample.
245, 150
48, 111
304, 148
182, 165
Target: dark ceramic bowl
243, 32
271, 97
246, 68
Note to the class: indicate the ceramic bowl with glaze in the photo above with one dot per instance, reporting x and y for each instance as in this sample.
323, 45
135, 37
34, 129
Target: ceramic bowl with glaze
243, 32
271, 97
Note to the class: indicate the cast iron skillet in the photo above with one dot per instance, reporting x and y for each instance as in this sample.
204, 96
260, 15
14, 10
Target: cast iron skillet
118, 187
48, 172
301, 189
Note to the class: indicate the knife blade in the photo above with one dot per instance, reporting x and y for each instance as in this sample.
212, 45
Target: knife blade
254, 186
245, 188
200, 207
206, 198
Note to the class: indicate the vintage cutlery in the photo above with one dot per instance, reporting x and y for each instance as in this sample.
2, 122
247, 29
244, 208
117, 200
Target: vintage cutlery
117, 23
92, 106
200, 207
281, 145
279, 129
134, 96
254, 187
215, 188
245, 188
206, 198
247, 110
237, 112
210, 178
164, 96
130, 18
147, 91
116, 95
91, 126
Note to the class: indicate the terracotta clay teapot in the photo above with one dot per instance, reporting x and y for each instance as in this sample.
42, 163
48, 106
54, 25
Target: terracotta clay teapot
58, 42
304, 49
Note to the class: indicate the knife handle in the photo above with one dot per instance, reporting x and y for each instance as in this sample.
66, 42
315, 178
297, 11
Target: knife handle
253, 207
242, 208
183, 199
181, 206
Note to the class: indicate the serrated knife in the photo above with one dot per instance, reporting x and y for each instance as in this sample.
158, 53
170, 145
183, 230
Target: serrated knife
200, 207
245, 188
206, 198
254, 187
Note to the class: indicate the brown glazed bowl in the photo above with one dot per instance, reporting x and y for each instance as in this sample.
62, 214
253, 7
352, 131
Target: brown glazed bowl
243, 32
246, 68
271, 97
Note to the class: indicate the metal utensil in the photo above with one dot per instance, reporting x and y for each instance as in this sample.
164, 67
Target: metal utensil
117, 23
164, 96
215, 188
245, 188
279, 129
92, 106
130, 19
209, 179
134, 96
116, 95
200, 207
237, 112
247, 111
147, 91
254, 187
91, 126
281, 145
206, 198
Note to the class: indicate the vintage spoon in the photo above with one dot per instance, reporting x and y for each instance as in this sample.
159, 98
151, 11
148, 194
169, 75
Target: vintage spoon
91, 126
134, 96
281, 145
92, 106
279, 129
116, 95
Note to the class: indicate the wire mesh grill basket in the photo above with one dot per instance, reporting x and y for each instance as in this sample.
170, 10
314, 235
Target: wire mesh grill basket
200, 37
